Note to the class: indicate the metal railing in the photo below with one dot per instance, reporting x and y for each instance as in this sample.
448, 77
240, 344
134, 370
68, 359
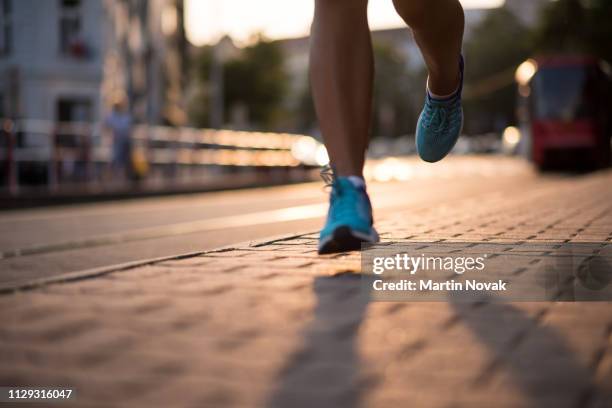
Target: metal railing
81, 153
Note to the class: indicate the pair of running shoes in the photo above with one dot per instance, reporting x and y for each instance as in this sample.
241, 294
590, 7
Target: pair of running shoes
349, 219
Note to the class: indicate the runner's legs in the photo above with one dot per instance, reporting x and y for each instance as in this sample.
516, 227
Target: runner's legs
341, 72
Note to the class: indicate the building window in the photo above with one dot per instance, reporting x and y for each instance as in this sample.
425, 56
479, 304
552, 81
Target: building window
70, 41
74, 110
6, 31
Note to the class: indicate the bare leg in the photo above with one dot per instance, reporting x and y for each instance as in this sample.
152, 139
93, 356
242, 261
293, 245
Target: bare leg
438, 30
341, 71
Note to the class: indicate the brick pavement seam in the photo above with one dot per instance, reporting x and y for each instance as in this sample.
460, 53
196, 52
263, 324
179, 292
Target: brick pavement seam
126, 266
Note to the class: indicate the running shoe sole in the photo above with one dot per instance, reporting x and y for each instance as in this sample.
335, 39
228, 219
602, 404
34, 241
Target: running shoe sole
346, 239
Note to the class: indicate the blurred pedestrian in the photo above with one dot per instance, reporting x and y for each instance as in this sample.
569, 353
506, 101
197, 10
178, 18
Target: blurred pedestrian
119, 122
341, 69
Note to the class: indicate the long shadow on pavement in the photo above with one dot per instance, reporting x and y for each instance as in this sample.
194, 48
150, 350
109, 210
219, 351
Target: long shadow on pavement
535, 357
324, 372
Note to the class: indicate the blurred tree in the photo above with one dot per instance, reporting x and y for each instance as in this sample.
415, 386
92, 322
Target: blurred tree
254, 82
497, 46
395, 87
257, 79
198, 107
583, 26
305, 116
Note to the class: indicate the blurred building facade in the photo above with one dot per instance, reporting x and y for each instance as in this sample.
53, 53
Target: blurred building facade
51, 60
145, 59
68, 60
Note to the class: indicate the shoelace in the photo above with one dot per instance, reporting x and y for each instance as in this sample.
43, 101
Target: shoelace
328, 176
441, 113
440, 117
342, 203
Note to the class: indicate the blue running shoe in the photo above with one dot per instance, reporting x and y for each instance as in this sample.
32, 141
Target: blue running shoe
349, 220
440, 124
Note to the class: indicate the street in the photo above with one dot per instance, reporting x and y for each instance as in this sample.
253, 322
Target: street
268, 322
42, 243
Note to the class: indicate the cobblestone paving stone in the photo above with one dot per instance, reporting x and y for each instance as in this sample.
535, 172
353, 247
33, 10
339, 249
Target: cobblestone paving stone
274, 324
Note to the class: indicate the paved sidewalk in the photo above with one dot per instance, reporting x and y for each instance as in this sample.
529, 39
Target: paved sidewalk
274, 324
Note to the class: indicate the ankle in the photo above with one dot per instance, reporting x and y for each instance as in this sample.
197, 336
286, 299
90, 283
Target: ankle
443, 85
341, 171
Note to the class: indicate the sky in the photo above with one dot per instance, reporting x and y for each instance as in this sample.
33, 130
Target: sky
208, 20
